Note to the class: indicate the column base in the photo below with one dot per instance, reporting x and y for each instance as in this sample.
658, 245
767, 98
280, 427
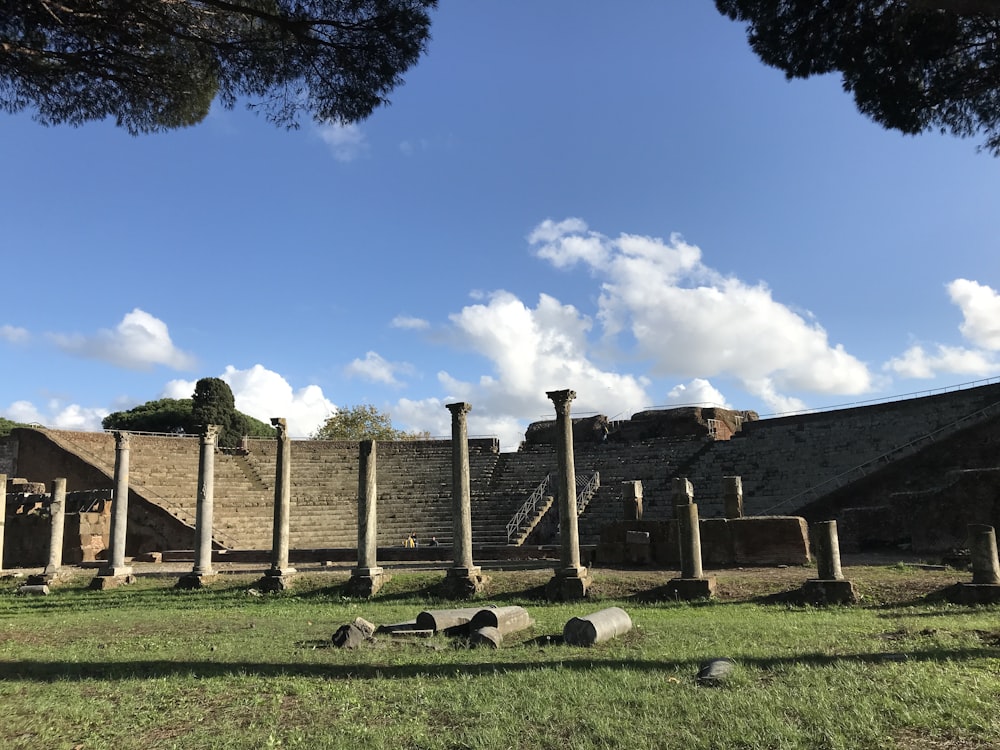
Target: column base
45, 578
568, 584
365, 582
276, 580
974, 593
194, 580
820, 591
689, 589
462, 583
104, 581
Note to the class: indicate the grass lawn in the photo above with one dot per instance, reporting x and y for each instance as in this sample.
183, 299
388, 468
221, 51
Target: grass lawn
147, 666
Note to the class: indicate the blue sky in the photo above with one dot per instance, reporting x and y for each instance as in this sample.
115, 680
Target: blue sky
626, 203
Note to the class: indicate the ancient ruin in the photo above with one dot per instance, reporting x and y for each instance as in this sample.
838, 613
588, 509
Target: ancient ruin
905, 475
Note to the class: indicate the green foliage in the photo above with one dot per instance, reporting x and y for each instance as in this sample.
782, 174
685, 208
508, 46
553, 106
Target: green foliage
6, 426
216, 668
153, 65
363, 422
213, 403
912, 65
162, 415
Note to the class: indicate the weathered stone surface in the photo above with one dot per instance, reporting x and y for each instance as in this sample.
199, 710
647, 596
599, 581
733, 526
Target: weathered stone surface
348, 636
505, 619
33, 589
820, 592
597, 627
367, 628
440, 620
688, 589
769, 540
486, 636
715, 671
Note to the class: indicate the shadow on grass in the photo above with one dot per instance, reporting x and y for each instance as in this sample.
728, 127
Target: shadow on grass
32, 670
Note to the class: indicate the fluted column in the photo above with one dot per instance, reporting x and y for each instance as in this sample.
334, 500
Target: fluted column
571, 579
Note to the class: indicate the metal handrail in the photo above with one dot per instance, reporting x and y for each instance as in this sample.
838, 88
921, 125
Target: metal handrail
590, 488
527, 509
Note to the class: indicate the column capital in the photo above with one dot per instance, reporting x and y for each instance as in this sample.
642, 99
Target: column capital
122, 440
281, 425
562, 400
210, 434
459, 409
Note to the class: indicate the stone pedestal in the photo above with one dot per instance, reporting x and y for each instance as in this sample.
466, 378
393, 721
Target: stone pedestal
281, 574
463, 583
632, 500
571, 580
367, 578
692, 583
817, 591
829, 587
683, 491
365, 582
116, 573
568, 585
195, 580
732, 496
985, 586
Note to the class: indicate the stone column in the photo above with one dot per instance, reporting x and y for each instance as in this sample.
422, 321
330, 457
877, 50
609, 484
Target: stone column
3, 513
732, 494
202, 572
683, 491
116, 572
279, 576
985, 586
57, 514
983, 549
464, 577
692, 583
632, 500
571, 580
367, 578
830, 587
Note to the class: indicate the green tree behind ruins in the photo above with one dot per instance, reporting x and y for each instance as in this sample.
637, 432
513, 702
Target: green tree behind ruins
363, 422
911, 65
155, 65
212, 403
7, 425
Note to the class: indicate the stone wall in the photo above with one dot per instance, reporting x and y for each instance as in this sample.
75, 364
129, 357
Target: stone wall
8, 455
767, 540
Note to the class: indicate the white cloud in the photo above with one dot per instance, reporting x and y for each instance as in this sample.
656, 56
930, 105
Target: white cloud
690, 321
57, 415
916, 362
13, 334
980, 307
264, 394
407, 322
533, 350
699, 392
139, 342
346, 140
377, 369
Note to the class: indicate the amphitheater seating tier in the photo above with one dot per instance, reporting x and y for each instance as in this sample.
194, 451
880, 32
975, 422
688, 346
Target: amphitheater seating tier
779, 460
